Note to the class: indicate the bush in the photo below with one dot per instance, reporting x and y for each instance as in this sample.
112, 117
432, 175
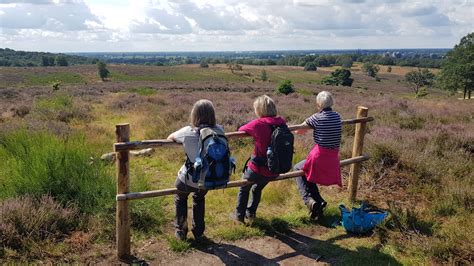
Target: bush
310, 66
264, 76
370, 69
338, 77
285, 87
384, 155
55, 84
25, 222
412, 123
38, 163
102, 70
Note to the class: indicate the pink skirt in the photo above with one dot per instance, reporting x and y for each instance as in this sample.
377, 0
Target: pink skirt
322, 166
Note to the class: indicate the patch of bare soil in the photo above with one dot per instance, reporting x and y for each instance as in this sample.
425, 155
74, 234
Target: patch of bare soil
291, 248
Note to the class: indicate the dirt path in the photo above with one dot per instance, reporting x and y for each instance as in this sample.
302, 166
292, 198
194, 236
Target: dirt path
291, 248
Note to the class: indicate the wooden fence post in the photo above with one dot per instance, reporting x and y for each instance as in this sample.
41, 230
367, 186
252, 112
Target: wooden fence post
122, 221
357, 151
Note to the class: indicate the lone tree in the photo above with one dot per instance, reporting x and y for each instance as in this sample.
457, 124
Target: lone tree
458, 69
103, 71
264, 76
285, 87
203, 64
339, 77
310, 66
419, 78
370, 69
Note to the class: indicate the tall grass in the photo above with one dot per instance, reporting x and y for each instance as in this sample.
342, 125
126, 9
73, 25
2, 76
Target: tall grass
39, 163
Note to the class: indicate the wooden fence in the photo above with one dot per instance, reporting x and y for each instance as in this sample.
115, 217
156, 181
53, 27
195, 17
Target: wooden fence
124, 145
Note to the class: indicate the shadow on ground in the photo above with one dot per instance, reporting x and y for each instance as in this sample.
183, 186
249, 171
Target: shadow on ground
317, 250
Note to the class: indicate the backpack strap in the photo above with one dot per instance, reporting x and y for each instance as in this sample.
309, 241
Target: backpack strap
245, 165
262, 161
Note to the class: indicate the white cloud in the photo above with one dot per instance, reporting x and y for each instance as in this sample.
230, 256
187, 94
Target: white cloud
92, 25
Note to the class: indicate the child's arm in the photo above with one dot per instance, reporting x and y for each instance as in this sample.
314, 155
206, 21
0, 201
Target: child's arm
303, 130
171, 137
178, 136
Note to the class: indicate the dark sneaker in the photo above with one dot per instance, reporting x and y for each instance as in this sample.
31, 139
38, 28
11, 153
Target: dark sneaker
180, 235
201, 239
250, 216
317, 209
236, 218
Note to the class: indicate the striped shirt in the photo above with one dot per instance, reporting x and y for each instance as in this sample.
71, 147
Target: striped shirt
327, 128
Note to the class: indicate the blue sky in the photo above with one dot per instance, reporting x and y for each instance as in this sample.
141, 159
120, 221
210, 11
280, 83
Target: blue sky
226, 25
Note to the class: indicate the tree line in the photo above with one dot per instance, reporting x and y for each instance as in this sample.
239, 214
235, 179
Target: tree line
10, 57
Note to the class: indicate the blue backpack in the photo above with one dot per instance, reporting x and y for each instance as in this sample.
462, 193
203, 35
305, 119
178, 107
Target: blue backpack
213, 165
360, 220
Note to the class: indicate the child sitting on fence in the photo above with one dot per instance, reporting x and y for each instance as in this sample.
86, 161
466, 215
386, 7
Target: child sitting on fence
322, 163
202, 116
260, 129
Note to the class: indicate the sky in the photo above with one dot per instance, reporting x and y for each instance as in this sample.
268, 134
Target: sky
231, 25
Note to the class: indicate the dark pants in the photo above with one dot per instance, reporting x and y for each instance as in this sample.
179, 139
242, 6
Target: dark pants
308, 191
181, 204
243, 204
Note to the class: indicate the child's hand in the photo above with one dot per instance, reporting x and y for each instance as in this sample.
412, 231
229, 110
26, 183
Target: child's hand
300, 131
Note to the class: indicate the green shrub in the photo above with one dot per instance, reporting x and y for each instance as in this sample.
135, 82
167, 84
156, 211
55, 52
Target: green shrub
370, 69
384, 155
38, 163
412, 123
338, 77
263, 75
25, 222
310, 66
285, 87
55, 84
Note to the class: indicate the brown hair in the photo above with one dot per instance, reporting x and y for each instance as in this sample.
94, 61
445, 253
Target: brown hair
264, 106
203, 114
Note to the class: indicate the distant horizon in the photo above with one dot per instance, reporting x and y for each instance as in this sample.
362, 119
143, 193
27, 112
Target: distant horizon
81, 26
238, 51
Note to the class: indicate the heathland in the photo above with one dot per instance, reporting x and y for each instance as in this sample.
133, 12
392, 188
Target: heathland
57, 196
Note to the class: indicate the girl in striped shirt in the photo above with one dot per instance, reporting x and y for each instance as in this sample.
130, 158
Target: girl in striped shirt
322, 164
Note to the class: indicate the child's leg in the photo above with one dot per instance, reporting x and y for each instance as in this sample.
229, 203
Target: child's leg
181, 205
243, 196
302, 184
242, 200
199, 202
256, 196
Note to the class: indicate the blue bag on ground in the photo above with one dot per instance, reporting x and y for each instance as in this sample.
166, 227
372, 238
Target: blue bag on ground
360, 220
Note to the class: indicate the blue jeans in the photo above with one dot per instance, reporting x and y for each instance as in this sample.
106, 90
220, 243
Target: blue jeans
181, 205
308, 191
243, 204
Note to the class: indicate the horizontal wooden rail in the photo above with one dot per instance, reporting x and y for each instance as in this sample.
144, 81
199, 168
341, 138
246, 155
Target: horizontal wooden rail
239, 183
137, 145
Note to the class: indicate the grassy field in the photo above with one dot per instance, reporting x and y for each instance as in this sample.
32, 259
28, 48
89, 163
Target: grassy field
421, 166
